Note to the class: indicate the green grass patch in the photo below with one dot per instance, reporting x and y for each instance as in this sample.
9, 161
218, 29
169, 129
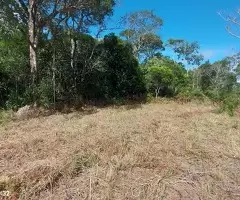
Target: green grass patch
5, 116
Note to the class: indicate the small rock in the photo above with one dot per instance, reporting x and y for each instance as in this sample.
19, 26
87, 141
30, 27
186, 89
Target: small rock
24, 112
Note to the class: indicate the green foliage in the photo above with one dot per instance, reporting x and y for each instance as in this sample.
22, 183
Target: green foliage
45, 91
197, 94
158, 77
213, 95
186, 51
103, 70
189, 94
230, 104
4, 88
217, 76
17, 99
164, 77
151, 44
140, 32
143, 20
149, 97
14, 74
5, 116
122, 74
218, 82
73, 66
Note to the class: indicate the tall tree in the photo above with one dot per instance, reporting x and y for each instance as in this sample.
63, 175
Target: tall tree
32, 33
217, 76
151, 44
38, 15
140, 30
164, 76
186, 51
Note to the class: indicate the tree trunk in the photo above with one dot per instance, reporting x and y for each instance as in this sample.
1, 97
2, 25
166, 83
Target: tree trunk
73, 54
54, 76
157, 90
33, 39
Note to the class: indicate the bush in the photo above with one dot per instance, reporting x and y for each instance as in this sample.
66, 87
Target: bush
149, 97
197, 94
187, 94
45, 90
118, 101
214, 95
230, 104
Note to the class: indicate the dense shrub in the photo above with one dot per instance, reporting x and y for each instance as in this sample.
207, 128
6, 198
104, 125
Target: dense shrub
102, 71
230, 104
189, 94
164, 77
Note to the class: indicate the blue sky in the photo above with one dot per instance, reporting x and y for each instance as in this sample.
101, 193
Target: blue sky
192, 20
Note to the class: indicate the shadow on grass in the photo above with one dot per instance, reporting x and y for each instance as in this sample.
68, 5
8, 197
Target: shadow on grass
79, 109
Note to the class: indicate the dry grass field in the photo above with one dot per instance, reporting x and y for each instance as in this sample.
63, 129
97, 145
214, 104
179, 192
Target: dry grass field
162, 151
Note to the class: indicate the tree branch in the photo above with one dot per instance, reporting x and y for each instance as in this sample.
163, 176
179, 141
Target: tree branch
231, 33
24, 6
232, 20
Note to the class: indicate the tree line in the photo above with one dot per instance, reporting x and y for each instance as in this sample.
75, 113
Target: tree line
54, 52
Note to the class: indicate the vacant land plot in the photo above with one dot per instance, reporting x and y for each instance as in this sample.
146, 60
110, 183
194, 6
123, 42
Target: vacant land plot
149, 152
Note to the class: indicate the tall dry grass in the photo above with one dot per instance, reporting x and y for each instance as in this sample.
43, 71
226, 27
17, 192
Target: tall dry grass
149, 152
